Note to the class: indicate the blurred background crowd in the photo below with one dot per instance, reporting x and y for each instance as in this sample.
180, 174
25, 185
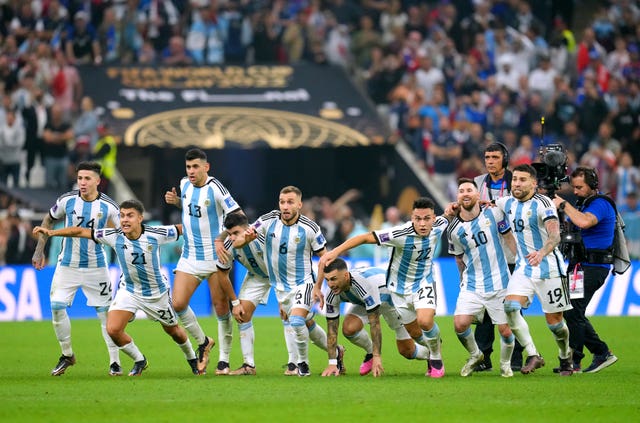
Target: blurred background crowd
448, 76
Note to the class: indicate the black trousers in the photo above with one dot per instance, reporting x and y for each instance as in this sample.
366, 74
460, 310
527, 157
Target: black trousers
581, 332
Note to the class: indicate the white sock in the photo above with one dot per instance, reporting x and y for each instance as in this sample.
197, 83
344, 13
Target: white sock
520, 329
247, 337
318, 336
421, 352
187, 349
190, 323
363, 340
290, 340
132, 351
302, 338
433, 340
225, 336
561, 334
506, 349
114, 351
62, 328
468, 341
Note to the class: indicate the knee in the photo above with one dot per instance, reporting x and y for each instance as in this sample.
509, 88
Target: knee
512, 306
179, 305
296, 322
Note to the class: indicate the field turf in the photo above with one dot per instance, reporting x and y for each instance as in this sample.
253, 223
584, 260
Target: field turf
167, 392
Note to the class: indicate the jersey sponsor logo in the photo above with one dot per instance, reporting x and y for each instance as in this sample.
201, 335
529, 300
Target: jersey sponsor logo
384, 237
330, 309
320, 239
369, 301
229, 202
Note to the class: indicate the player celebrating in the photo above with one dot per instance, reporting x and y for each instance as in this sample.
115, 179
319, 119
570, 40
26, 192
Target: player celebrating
474, 239
142, 286
81, 264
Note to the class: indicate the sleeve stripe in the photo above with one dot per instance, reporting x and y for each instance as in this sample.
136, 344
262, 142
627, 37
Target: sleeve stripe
543, 199
219, 185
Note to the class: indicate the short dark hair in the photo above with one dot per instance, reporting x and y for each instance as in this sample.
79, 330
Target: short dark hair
526, 168
424, 203
235, 219
132, 204
291, 188
195, 153
467, 181
92, 166
337, 264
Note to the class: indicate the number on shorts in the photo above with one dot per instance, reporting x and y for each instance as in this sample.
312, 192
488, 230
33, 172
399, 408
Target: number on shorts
105, 288
555, 295
166, 314
425, 292
298, 297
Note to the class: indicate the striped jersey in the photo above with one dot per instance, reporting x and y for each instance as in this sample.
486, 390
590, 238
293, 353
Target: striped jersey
527, 220
203, 211
82, 252
479, 242
368, 289
251, 256
140, 258
288, 249
412, 255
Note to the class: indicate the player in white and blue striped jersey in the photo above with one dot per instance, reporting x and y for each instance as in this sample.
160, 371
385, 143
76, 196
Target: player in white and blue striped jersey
409, 275
365, 291
539, 265
204, 202
290, 241
142, 285
475, 239
255, 290
82, 263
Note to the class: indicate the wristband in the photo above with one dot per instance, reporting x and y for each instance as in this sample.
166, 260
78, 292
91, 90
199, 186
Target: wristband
235, 302
333, 362
562, 205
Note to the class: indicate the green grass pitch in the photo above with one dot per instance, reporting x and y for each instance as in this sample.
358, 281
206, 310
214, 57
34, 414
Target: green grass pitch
167, 392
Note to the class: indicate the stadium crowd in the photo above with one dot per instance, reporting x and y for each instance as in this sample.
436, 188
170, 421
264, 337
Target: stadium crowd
451, 76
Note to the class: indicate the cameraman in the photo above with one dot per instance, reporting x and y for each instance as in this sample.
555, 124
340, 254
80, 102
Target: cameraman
592, 220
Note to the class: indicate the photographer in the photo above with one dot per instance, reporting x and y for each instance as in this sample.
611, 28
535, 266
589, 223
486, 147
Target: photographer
590, 238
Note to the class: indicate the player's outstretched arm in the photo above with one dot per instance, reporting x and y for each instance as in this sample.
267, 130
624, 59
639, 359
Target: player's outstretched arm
71, 232
38, 259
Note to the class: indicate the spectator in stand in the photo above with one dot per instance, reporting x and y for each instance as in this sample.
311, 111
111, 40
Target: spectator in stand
586, 46
12, 138
507, 76
57, 135
363, 40
20, 243
51, 25
391, 18
109, 36
66, 85
542, 79
618, 58
205, 40
82, 46
87, 123
628, 178
175, 53
161, 20
446, 153
105, 152
266, 38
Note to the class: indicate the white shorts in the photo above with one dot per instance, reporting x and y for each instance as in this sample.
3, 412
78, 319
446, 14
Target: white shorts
94, 282
407, 304
388, 311
159, 309
255, 289
473, 304
553, 293
300, 297
201, 269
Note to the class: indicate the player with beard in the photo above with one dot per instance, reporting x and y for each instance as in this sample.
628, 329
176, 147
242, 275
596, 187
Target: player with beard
475, 241
539, 267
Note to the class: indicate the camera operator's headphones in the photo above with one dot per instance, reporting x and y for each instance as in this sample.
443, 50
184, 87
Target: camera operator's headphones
505, 152
590, 177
